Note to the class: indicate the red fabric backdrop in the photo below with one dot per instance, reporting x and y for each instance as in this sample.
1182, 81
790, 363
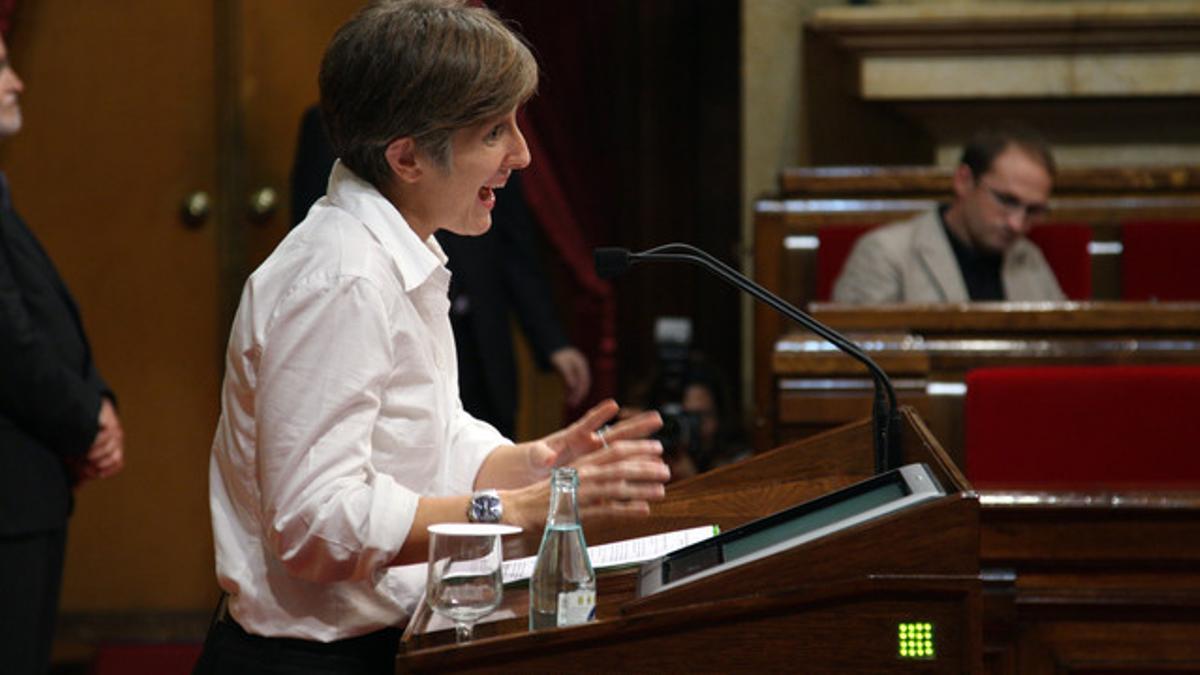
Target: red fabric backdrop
1065, 246
1077, 426
834, 245
7, 9
1159, 260
565, 185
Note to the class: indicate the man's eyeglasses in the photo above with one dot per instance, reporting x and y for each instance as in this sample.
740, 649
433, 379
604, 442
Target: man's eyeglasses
1009, 202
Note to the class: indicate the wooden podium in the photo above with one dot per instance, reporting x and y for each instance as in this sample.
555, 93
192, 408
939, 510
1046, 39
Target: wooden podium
835, 604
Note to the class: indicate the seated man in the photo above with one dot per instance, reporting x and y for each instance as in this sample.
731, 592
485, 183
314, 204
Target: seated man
973, 248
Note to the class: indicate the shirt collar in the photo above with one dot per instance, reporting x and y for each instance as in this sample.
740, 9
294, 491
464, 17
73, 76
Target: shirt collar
416, 260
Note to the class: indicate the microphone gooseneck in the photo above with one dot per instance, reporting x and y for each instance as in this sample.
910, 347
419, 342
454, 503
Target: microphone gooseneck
611, 262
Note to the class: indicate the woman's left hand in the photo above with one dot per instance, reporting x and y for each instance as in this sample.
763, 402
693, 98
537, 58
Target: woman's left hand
620, 470
589, 434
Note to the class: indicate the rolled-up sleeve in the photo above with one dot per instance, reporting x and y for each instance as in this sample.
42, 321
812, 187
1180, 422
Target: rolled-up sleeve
329, 514
471, 441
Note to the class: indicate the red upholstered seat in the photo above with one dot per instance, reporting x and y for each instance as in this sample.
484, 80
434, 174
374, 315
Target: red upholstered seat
1131, 426
145, 659
834, 243
1065, 246
1159, 260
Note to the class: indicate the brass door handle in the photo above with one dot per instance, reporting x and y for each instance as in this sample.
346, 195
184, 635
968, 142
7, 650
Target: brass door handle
262, 204
195, 209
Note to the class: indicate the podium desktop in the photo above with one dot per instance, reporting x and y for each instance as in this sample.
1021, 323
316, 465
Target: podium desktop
873, 498
875, 595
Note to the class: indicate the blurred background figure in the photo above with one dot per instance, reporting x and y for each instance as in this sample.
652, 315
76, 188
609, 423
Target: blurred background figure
497, 276
701, 426
58, 425
974, 247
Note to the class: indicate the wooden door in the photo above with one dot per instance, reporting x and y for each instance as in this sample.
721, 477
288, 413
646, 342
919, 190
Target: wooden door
280, 44
119, 127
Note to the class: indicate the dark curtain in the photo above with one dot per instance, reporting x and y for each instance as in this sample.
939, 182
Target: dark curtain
567, 126
635, 142
8, 8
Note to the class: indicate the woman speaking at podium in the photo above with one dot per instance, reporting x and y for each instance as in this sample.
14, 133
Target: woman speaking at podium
341, 434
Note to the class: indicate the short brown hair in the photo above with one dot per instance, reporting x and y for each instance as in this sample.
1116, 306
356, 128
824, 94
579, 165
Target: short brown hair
419, 68
986, 144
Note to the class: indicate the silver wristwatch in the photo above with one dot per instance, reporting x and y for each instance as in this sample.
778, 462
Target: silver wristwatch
485, 507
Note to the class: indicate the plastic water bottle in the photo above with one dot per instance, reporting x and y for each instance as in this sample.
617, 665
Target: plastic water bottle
562, 590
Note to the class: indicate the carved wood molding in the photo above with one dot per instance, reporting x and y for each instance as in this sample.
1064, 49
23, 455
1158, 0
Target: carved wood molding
1032, 52
987, 28
1008, 318
934, 180
1102, 501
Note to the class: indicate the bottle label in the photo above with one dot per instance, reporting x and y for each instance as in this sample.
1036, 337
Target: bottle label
576, 607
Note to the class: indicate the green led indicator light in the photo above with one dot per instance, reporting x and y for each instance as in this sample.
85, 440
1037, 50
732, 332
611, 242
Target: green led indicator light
915, 640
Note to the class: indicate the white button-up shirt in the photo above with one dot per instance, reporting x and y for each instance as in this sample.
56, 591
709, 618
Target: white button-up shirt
339, 409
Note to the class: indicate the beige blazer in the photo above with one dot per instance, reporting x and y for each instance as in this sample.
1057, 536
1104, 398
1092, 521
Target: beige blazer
911, 262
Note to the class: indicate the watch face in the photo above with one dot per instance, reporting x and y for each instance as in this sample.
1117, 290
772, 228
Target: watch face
485, 507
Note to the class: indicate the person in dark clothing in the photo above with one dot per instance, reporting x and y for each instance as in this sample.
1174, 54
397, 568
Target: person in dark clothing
58, 423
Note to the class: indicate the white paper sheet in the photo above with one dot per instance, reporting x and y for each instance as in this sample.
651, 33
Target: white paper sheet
618, 553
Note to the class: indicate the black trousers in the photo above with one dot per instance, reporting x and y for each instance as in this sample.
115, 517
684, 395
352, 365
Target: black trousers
31, 567
230, 650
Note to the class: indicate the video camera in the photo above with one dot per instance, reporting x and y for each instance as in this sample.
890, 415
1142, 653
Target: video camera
680, 432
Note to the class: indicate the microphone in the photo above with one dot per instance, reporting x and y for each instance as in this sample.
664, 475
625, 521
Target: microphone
611, 262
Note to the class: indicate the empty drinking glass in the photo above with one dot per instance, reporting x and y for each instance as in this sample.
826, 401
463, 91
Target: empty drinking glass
464, 582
